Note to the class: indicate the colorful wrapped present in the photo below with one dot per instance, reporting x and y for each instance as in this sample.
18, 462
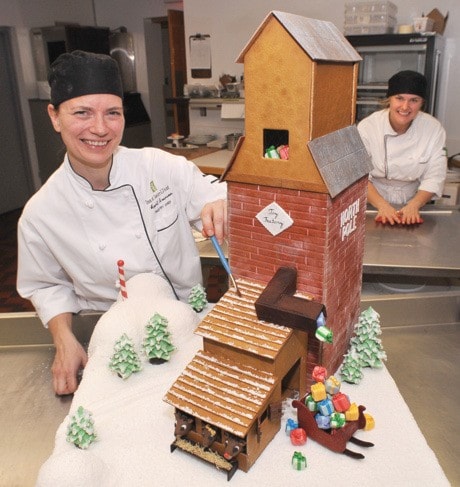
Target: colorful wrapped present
311, 404
291, 425
370, 422
325, 407
319, 374
332, 385
324, 334
352, 414
341, 402
323, 422
298, 437
299, 461
272, 153
318, 391
283, 151
337, 420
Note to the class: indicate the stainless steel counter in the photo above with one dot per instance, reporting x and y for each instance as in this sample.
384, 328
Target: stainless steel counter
30, 413
429, 249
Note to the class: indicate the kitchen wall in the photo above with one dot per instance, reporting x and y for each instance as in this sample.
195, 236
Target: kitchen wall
231, 24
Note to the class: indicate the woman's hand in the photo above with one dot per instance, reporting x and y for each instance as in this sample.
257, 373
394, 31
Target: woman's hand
388, 214
410, 213
70, 356
214, 219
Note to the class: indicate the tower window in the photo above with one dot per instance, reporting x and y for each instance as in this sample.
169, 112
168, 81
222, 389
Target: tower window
276, 144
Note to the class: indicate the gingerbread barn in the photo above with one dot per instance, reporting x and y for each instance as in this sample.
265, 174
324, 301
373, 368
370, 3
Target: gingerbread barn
306, 211
296, 226
236, 385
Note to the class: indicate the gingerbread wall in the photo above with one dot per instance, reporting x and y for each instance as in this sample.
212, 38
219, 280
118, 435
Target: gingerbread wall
328, 262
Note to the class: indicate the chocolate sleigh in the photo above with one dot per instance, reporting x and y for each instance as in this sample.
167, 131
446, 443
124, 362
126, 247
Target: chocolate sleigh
335, 439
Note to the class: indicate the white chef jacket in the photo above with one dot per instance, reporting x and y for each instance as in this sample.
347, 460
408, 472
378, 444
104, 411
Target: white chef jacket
70, 237
406, 163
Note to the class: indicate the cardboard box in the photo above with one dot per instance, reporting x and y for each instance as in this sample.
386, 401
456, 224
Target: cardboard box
439, 20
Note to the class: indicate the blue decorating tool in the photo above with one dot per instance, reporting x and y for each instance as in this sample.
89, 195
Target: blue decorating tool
225, 263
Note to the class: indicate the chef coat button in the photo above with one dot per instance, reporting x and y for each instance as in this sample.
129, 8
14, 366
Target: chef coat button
125, 193
102, 246
139, 235
89, 204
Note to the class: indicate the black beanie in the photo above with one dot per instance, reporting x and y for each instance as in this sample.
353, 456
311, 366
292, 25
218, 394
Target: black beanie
82, 73
409, 82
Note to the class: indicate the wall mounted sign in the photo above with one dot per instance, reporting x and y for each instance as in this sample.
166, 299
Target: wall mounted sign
200, 55
274, 218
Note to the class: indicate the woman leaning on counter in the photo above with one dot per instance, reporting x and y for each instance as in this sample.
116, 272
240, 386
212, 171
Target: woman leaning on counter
407, 148
105, 203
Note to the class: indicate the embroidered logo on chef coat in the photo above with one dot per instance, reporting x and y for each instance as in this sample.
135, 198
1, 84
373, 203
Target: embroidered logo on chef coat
161, 198
153, 187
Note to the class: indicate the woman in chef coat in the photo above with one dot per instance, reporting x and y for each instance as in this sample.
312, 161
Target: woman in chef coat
106, 203
407, 148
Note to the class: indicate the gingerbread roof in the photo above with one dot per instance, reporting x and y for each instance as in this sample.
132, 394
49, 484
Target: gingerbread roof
233, 321
320, 40
222, 393
341, 158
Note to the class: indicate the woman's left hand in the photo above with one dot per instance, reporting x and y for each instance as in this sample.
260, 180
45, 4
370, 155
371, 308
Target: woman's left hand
409, 215
214, 219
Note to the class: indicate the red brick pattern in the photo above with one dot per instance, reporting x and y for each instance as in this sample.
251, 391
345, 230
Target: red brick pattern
329, 268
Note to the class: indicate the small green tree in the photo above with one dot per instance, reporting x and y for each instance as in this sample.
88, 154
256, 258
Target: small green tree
125, 360
351, 367
80, 430
157, 343
368, 346
197, 298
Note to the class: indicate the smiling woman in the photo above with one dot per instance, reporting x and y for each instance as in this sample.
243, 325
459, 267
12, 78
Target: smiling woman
406, 147
105, 203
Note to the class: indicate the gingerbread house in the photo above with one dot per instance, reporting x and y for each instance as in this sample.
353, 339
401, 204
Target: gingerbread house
235, 386
306, 211
303, 214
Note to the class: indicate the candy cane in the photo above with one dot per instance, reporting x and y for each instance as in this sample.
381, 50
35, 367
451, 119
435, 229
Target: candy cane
121, 278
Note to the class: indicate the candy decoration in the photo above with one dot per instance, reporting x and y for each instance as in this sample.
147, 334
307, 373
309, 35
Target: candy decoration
272, 153
324, 334
318, 391
290, 425
337, 420
332, 385
340, 402
319, 374
121, 278
352, 413
299, 461
311, 404
321, 320
298, 437
370, 422
325, 407
323, 422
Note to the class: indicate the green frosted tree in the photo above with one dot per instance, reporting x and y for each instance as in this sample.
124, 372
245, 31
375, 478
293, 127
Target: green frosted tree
366, 341
125, 361
351, 367
157, 343
197, 298
80, 430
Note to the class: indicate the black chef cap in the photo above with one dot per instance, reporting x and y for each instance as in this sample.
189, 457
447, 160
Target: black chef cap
82, 73
409, 82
